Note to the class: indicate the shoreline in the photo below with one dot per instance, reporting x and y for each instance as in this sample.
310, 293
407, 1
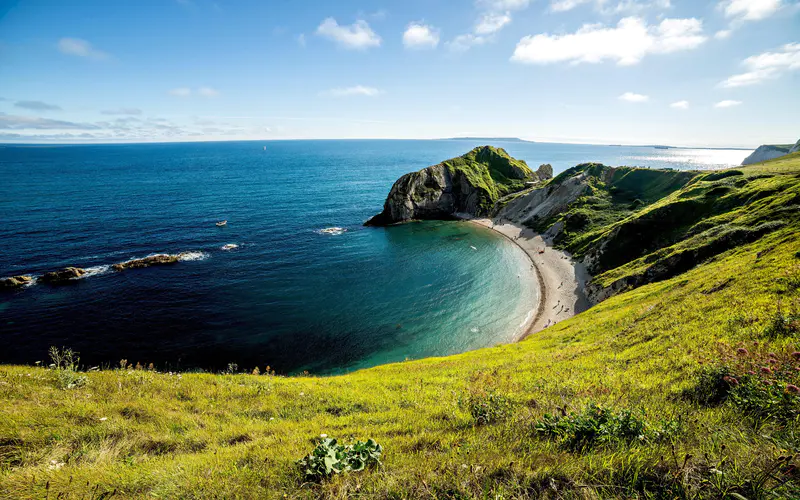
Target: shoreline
561, 280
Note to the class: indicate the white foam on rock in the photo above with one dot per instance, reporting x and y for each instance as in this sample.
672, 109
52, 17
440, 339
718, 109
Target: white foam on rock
229, 246
191, 256
95, 271
332, 230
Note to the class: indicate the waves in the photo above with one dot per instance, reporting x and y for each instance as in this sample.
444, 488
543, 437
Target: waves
333, 231
192, 256
96, 271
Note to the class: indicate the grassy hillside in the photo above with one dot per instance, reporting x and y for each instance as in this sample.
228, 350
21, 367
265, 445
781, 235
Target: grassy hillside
639, 225
683, 388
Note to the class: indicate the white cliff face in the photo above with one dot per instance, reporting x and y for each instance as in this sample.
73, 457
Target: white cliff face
769, 152
542, 203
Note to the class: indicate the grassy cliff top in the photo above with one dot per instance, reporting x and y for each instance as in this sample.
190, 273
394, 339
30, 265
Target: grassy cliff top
491, 169
648, 394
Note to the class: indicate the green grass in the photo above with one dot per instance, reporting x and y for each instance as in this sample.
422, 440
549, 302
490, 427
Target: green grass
465, 426
492, 171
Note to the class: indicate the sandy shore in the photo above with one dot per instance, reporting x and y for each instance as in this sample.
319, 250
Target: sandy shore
561, 280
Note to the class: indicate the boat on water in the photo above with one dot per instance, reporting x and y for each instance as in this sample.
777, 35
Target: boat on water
222, 223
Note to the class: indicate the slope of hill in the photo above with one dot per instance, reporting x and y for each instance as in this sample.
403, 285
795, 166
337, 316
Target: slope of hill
686, 387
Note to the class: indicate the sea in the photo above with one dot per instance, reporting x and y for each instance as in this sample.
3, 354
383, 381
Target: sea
294, 281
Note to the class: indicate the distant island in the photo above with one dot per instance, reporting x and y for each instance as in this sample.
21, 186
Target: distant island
486, 140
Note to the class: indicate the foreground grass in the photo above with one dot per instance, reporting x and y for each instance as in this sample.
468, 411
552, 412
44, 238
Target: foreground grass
138, 433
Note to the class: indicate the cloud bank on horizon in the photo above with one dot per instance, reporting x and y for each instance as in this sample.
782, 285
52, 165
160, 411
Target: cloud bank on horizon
563, 70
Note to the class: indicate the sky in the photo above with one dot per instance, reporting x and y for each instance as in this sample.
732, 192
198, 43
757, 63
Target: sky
716, 73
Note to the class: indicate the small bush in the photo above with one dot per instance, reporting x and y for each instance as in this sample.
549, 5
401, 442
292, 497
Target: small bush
65, 364
330, 458
783, 323
598, 425
489, 408
763, 386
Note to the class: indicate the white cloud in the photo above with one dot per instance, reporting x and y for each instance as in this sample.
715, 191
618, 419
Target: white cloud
766, 66
680, 105
609, 8
723, 34
358, 90
497, 5
462, 43
420, 36
727, 104
207, 92
627, 43
301, 39
80, 48
494, 16
750, 10
181, 92
565, 5
633, 97
356, 36
491, 22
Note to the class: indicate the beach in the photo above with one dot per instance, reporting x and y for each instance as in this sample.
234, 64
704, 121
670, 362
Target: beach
561, 280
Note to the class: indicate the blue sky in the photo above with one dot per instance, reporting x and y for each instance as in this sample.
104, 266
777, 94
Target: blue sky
682, 72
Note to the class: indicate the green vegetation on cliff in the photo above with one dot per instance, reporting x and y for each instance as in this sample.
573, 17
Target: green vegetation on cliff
682, 388
641, 225
493, 170
471, 183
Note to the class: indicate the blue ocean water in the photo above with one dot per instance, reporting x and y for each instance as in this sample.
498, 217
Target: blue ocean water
289, 295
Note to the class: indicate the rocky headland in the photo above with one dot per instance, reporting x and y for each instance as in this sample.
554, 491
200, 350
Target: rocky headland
471, 184
626, 226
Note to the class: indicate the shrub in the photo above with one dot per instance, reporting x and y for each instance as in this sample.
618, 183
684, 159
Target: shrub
65, 364
488, 408
783, 323
598, 425
330, 458
762, 385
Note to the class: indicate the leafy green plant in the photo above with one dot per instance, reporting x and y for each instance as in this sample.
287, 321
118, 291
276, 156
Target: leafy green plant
330, 457
65, 363
762, 385
598, 425
488, 408
783, 323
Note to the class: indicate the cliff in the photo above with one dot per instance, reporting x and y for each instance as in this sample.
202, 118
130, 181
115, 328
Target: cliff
633, 226
471, 183
770, 152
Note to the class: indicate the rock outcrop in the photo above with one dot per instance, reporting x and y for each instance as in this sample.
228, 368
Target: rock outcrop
15, 282
470, 184
153, 260
545, 172
63, 276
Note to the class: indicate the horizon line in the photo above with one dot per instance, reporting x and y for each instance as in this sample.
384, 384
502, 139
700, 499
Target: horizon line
465, 138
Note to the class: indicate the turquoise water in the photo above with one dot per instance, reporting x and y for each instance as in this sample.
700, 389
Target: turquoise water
288, 295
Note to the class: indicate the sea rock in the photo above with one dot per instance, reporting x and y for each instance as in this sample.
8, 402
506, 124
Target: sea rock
15, 282
153, 260
469, 184
545, 172
62, 276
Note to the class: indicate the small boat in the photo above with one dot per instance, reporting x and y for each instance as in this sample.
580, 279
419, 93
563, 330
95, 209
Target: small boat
222, 223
